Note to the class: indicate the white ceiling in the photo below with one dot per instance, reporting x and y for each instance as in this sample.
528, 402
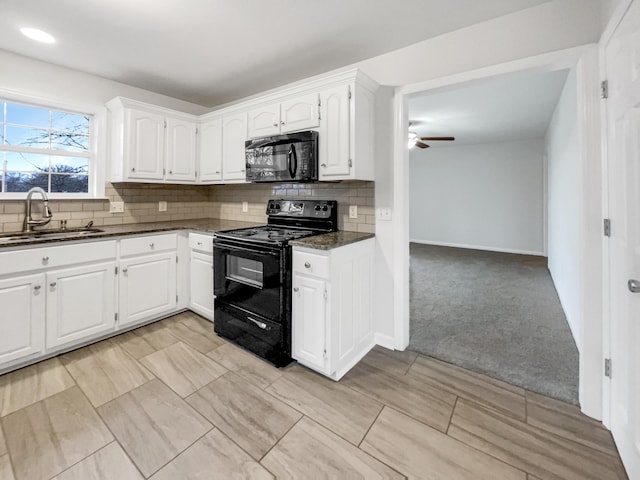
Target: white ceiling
497, 109
213, 51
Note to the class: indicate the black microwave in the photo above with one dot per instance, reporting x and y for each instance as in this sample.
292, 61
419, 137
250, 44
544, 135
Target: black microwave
283, 158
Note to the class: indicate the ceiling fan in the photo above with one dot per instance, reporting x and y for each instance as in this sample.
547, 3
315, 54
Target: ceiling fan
416, 141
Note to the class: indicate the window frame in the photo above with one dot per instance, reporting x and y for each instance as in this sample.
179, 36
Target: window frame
97, 142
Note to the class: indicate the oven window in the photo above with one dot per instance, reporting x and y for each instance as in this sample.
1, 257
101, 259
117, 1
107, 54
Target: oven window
244, 270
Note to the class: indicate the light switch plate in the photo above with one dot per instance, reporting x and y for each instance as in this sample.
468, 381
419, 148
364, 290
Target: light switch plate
383, 214
116, 207
162, 206
353, 211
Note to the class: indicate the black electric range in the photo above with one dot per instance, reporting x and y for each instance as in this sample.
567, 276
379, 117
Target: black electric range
252, 276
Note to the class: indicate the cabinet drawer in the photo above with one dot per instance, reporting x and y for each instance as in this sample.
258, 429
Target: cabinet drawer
311, 263
201, 242
48, 257
148, 244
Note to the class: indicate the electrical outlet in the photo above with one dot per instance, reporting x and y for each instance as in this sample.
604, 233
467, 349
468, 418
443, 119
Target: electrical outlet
162, 206
383, 214
116, 207
245, 207
353, 211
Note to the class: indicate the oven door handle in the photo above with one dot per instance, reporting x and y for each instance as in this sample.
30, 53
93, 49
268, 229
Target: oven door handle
259, 324
292, 155
243, 249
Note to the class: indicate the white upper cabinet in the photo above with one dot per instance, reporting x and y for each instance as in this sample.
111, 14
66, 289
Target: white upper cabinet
299, 113
210, 150
234, 134
180, 150
346, 134
144, 145
151, 144
264, 121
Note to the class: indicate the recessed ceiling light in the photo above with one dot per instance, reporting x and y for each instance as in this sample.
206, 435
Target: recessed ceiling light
37, 35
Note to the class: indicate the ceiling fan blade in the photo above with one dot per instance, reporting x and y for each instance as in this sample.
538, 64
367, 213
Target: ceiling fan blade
448, 139
419, 144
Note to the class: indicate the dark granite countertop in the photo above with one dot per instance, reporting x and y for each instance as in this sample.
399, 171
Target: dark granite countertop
328, 241
203, 225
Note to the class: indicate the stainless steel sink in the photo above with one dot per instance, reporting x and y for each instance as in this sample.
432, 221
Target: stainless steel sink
15, 237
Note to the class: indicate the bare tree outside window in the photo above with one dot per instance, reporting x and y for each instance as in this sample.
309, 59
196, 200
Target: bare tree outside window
43, 148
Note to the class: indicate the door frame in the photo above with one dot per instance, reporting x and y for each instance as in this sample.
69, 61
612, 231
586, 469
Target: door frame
606, 36
590, 376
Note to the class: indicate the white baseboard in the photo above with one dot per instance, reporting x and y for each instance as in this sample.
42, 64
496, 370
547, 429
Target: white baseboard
480, 247
386, 341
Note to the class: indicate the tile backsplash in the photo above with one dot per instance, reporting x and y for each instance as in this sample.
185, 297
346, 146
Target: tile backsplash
198, 201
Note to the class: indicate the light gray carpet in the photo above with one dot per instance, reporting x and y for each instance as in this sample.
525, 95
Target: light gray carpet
493, 313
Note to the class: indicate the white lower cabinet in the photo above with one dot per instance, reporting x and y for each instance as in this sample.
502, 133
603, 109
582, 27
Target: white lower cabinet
22, 317
80, 302
201, 275
332, 307
147, 287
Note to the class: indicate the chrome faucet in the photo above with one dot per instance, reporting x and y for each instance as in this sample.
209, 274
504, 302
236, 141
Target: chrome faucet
29, 222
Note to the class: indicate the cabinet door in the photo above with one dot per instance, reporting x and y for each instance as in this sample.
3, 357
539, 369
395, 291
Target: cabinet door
22, 317
308, 322
80, 302
334, 135
147, 287
234, 134
144, 145
201, 282
300, 113
210, 150
264, 121
180, 150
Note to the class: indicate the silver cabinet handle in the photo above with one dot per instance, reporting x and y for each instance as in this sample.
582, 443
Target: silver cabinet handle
45, 259
52, 284
199, 243
242, 170
634, 286
295, 289
133, 169
125, 270
282, 123
275, 124
218, 172
260, 324
323, 165
36, 287
307, 265
151, 245
170, 172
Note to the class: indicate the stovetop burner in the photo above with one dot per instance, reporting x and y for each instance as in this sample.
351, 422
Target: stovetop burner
269, 234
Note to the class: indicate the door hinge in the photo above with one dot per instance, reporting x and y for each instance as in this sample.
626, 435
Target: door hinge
604, 89
607, 367
164, 171
350, 163
349, 95
196, 174
196, 130
176, 298
319, 109
116, 270
176, 259
325, 295
165, 124
606, 223
116, 316
324, 353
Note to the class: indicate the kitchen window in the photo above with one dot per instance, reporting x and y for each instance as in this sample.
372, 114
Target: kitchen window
45, 147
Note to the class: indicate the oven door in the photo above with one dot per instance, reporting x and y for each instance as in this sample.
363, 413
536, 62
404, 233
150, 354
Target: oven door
250, 277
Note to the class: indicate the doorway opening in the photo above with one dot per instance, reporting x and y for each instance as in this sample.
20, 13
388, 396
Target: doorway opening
492, 228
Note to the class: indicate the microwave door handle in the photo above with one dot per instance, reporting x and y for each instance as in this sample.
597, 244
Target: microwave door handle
293, 166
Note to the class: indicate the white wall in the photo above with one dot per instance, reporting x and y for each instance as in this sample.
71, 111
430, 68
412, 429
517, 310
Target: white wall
488, 196
564, 204
33, 77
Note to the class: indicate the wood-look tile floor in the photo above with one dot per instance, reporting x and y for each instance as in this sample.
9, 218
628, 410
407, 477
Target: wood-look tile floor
172, 401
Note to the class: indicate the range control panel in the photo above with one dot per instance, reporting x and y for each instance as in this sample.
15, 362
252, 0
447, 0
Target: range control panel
301, 208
